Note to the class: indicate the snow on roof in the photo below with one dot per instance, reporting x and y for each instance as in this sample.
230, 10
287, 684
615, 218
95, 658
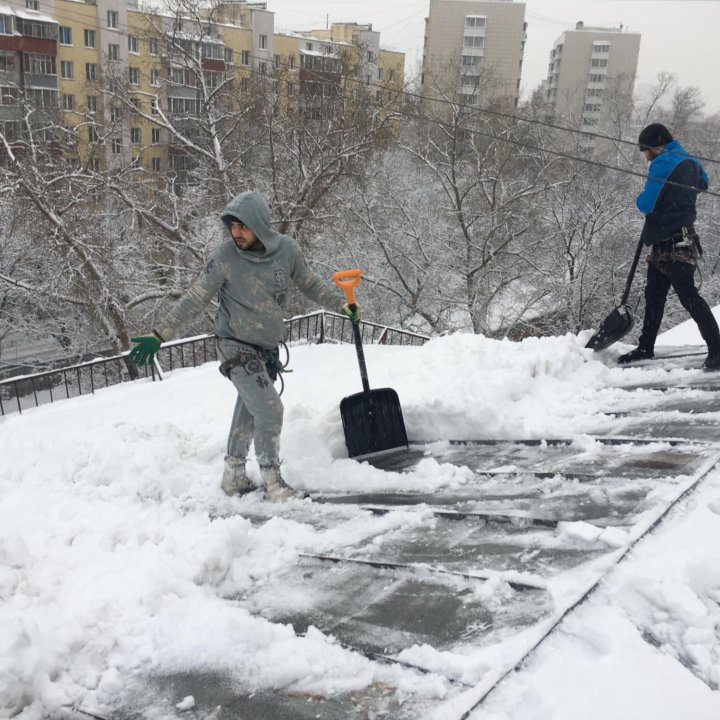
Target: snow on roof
27, 14
318, 53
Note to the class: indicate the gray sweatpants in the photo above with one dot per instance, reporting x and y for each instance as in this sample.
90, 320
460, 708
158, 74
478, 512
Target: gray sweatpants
258, 411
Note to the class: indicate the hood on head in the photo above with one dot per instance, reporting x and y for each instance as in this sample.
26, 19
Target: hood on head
252, 209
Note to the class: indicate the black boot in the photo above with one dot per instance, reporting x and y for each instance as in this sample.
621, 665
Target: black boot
712, 361
634, 355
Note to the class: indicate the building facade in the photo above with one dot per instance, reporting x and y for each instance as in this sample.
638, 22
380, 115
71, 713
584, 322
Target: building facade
473, 51
591, 75
109, 70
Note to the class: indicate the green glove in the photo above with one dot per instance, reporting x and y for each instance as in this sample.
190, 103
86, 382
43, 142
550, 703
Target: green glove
354, 315
145, 349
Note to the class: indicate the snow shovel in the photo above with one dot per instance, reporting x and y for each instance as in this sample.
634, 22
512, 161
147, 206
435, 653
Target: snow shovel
372, 419
620, 321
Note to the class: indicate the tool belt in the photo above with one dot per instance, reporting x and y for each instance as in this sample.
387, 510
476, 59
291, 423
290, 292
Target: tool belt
253, 353
682, 241
683, 246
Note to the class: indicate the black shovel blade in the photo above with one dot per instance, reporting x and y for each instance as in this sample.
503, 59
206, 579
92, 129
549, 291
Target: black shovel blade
615, 326
373, 423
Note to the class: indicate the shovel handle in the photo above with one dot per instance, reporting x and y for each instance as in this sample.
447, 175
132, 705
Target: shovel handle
348, 280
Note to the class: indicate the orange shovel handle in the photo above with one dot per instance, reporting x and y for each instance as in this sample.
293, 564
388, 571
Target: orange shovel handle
348, 280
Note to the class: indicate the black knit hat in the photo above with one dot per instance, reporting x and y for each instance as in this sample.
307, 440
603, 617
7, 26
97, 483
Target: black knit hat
655, 135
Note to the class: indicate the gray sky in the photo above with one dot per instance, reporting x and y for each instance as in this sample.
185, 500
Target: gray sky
678, 36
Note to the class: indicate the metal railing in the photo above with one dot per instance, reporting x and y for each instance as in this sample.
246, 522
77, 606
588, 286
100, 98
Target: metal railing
28, 391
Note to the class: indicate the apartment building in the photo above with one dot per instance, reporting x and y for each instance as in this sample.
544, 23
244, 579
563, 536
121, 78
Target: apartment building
591, 75
107, 68
473, 51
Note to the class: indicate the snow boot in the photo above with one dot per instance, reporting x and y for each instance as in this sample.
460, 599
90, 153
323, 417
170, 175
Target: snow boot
637, 354
276, 489
234, 480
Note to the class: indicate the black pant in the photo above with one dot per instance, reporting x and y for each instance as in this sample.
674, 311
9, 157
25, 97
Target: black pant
679, 276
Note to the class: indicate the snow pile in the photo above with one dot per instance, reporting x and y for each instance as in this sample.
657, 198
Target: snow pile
120, 557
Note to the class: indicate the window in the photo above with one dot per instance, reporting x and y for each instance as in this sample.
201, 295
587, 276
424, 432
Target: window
66, 69
135, 136
182, 106
291, 62
5, 25
291, 88
182, 76
39, 64
597, 63
8, 95
155, 77
244, 84
36, 29
180, 162
263, 68
154, 107
115, 146
115, 114
228, 56
211, 51
65, 35
93, 136
156, 164
391, 75
32, 4
213, 78
245, 57
473, 41
92, 103
276, 61
263, 42
134, 75
592, 107
594, 93
7, 62
69, 103
309, 46
601, 47
133, 44
113, 52
89, 38
154, 46
594, 78
155, 135
472, 60
43, 98
474, 21
112, 19
90, 71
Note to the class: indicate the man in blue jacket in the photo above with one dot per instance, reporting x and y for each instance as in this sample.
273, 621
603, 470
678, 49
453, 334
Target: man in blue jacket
668, 202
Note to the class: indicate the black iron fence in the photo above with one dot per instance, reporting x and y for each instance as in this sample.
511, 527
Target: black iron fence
28, 391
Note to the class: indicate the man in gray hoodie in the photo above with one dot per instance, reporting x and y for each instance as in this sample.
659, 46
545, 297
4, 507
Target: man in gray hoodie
249, 273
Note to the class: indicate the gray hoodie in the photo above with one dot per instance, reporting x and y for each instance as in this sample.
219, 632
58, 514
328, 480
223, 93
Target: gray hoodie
252, 287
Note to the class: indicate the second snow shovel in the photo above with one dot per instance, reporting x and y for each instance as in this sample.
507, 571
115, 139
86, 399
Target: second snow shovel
620, 321
372, 419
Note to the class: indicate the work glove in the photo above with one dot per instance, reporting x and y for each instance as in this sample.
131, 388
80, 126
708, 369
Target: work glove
354, 315
145, 349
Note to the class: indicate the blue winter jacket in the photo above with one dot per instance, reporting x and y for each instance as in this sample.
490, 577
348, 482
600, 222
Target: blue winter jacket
669, 206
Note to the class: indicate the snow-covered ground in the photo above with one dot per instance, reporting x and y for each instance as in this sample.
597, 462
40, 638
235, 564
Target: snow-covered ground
120, 556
